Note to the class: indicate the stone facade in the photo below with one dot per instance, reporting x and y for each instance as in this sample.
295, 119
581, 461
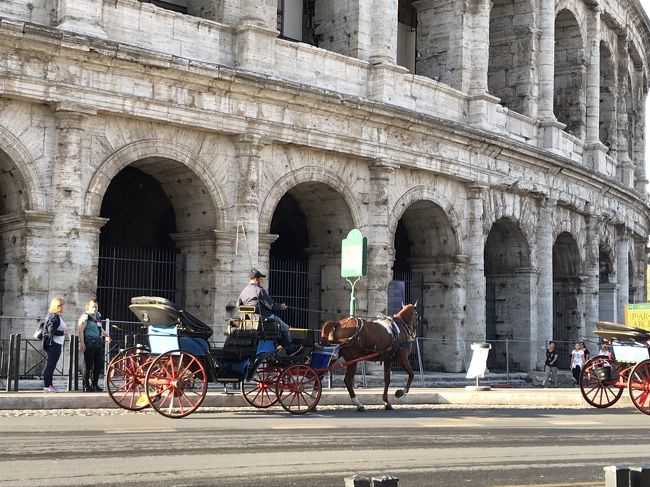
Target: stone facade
507, 170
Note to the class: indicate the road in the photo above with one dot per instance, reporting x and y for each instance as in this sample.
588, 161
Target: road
423, 446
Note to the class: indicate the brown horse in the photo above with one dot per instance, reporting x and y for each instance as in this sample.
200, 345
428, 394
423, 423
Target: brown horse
360, 338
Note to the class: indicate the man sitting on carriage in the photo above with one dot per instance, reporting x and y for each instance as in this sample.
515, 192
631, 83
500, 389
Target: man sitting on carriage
255, 295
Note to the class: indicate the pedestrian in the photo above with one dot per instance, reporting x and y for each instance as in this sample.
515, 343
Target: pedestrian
254, 294
577, 361
55, 332
91, 344
550, 365
605, 350
586, 351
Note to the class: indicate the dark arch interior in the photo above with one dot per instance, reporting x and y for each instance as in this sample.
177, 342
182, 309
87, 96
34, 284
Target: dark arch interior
290, 225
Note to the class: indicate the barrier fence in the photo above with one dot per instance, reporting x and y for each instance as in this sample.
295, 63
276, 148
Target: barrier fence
23, 358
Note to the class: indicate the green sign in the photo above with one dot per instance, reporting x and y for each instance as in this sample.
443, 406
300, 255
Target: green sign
354, 255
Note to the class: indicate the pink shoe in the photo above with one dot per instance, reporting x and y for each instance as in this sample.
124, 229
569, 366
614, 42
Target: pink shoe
50, 389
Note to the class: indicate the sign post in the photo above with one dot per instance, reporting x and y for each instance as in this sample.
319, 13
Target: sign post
354, 261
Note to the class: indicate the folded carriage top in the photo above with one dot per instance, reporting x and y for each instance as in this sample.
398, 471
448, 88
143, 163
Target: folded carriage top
156, 311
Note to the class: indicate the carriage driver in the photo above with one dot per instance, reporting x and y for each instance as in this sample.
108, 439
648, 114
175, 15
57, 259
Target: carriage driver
255, 295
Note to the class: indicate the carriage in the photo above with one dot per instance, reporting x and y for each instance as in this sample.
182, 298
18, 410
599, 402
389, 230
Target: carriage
604, 378
171, 374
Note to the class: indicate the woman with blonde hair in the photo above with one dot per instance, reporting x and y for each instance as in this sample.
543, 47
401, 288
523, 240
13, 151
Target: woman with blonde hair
54, 335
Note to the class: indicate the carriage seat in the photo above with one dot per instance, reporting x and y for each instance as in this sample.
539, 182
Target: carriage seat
251, 320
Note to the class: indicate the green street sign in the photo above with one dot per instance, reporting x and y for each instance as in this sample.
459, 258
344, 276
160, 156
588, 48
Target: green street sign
354, 255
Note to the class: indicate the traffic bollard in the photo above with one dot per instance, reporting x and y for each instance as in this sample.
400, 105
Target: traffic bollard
617, 476
640, 476
357, 481
385, 481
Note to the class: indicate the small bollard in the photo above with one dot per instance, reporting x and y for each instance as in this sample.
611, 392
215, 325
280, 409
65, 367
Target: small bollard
385, 481
640, 476
357, 481
617, 476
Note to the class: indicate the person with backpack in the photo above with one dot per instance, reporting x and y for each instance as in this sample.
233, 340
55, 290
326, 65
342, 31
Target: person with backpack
91, 344
55, 332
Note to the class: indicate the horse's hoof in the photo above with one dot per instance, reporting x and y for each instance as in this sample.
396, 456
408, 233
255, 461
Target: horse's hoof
361, 409
399, 393
388, 407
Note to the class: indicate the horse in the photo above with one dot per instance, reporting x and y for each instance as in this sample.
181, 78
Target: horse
359, 338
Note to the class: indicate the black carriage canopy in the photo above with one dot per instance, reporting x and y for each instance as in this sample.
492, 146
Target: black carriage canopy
155, 311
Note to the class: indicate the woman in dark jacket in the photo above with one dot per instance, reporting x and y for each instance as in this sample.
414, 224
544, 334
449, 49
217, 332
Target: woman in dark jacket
54, 334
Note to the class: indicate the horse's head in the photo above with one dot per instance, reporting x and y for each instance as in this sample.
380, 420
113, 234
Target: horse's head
407, 314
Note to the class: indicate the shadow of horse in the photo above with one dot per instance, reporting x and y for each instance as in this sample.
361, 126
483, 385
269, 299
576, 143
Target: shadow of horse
389, 342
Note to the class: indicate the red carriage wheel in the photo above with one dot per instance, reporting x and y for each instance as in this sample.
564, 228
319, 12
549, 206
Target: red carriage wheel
599, 382
299, 389
125, 378
260, 391
176, 384
639, 386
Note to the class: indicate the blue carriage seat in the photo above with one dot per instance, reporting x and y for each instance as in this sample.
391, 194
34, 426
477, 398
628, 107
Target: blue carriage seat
167, 338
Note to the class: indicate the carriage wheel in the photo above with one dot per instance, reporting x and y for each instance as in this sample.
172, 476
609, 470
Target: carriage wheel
299, 389
125, 378
599, 391
639, 386
176, 384
260, 391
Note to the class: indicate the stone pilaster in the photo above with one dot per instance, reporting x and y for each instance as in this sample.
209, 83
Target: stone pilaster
380, 243
592, 267
545, 217
625, 164
255, 35
480, 42
384, 32
622, 271
89, 233
593, 76
83, 16
69, 256
475, 268
546, 59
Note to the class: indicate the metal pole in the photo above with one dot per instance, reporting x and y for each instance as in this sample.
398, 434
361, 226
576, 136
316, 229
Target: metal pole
10, 362
417, 347
71, 363
507, 361
17, 361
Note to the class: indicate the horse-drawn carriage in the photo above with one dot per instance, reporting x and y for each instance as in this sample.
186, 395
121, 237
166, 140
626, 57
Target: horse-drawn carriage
605, 377
171, 374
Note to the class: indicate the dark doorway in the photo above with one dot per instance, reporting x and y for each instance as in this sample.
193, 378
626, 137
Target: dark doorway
137, 254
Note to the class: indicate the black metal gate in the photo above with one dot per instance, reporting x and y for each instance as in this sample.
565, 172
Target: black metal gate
289, 283
414, 292
125, 272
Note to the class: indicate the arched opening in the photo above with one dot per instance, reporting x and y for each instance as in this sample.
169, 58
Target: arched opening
567, 295
511, 56
157, 240
425, 260
507, 296
569, 102
13, 259
607, 123
310, 220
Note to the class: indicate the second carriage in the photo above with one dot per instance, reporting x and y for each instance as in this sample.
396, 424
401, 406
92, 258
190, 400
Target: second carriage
604, 378
171, 374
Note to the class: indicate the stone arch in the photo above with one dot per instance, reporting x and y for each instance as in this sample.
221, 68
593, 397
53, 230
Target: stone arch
565, 226
512, 51
569, 100
151, 149
607, 110
308, 174
21, 159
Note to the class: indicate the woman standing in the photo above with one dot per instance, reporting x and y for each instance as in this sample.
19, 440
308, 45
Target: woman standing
91, 344
577, 362
54, 335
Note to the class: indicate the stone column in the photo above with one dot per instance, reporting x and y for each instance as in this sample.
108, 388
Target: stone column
255, 35
546, 59
380, 243
625, 164
607, 307
622, 271
228, 286
83, 16
592, 271
89, 233
475, 269
69, 255
384, 32
545, 241
480, 54
593, 77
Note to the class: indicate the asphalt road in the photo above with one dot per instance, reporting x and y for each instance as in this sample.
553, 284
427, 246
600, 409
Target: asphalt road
432, 446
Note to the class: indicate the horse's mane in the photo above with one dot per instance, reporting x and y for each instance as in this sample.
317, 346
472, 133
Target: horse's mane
406, 314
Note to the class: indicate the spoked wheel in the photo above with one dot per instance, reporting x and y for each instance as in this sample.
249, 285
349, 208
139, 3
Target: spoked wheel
299, 389
176, 384
598, 382
260, 391
639, 386
125, 378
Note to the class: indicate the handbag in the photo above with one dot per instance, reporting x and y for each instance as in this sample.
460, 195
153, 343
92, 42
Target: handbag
38, 333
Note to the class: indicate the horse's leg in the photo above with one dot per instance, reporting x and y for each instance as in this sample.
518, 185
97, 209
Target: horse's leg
387, 364
405, 364
350, 371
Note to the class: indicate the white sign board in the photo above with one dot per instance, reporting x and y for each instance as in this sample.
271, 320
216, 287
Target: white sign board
478, 364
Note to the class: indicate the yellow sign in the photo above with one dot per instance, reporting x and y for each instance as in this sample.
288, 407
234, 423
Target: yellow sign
638, 315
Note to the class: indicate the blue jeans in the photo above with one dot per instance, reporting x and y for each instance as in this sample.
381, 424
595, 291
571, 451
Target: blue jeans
53, 354
285, 334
